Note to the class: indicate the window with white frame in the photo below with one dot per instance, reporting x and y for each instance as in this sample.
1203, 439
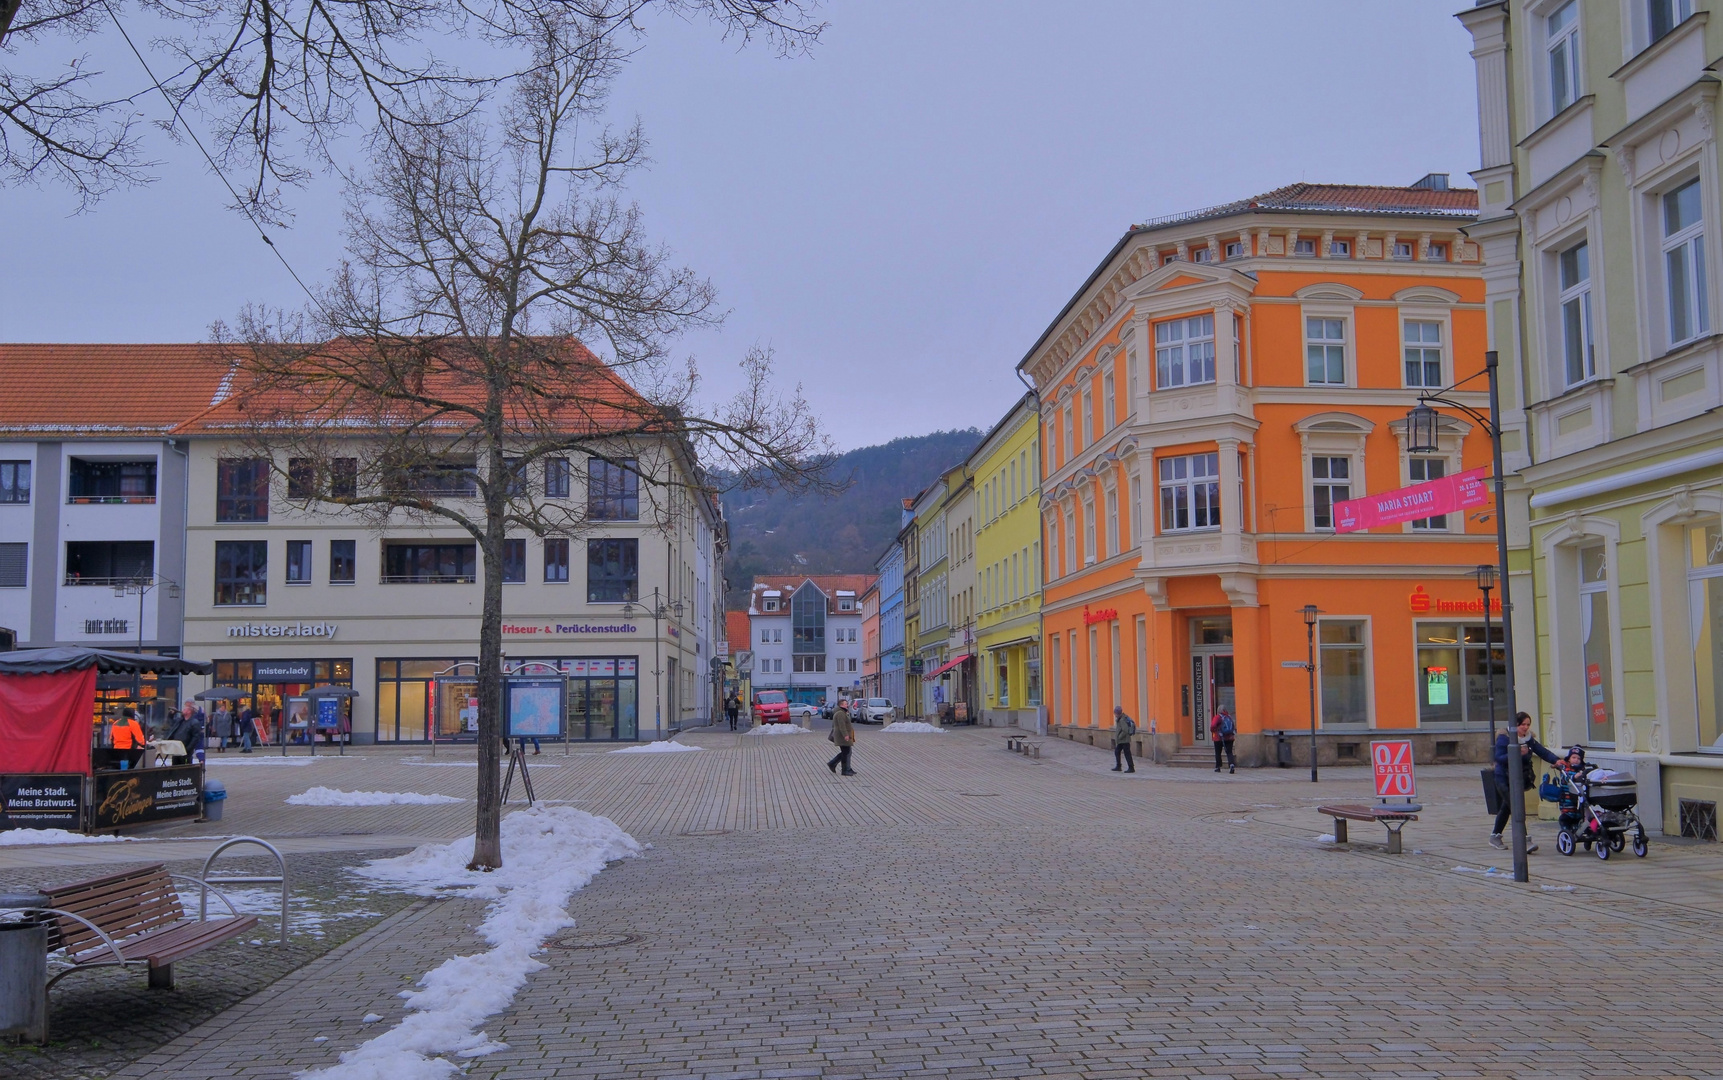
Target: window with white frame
1561, 42
1340, 249
1109, 410
1086, 436
1184, 352
1662, 16
1053, 547
1131, 364
1070, 540
1437, 252
1573, 267
1190, 492
1200, 255
1088, 532
1325, 351
1070, 446
1235, 249
1403, 250
1423, 351
1112, 521
1304, 248
1684, 263
1169, 258
1421, 469
1330, 482
1136, 509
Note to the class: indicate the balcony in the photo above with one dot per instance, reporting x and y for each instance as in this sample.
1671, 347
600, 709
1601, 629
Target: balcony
97, 482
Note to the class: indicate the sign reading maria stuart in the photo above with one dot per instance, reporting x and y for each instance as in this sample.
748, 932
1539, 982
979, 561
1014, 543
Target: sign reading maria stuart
48, 801
140, 796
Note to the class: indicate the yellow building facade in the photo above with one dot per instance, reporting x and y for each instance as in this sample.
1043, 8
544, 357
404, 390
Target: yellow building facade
1006, 474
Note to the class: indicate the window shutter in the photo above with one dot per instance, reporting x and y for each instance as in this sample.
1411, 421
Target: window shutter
14, 561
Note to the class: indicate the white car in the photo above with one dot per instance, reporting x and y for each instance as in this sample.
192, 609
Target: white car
801, 709
875, 710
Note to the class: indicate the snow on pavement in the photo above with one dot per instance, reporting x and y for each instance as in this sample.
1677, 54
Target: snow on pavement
20, 837
912, 727
653, 748
777, 729
322, 796
548, 854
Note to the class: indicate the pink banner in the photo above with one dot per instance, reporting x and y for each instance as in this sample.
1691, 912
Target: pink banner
1462, 491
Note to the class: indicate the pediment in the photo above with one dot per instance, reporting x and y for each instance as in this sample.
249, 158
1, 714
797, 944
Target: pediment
1180, 282
1330, 290
1335, 423
1186, 275
1426, 294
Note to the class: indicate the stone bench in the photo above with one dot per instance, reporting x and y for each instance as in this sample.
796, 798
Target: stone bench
1392, 819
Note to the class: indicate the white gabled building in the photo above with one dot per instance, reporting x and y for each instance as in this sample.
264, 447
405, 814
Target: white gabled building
805, 632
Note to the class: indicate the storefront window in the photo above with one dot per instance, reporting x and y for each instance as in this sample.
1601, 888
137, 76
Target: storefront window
1032, 676
1594, 634
1454, 663
407, 696
276, 689
1705, 592
1343, 664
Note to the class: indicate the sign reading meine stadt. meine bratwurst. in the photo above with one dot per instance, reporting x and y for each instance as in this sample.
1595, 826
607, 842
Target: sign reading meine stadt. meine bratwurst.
140, 796
42, 801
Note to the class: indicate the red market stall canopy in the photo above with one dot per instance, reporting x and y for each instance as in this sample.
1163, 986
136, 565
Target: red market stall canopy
47, 697
948, 666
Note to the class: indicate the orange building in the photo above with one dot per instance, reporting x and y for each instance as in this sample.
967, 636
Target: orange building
1219, 382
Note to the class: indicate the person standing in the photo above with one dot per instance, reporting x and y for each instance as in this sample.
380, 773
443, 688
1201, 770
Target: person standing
223, 725
1223, 730
844, 735
1123, 728
128, 735
1528, 746
247, 728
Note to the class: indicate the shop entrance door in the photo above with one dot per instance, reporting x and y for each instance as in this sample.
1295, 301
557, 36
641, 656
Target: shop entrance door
1211, 672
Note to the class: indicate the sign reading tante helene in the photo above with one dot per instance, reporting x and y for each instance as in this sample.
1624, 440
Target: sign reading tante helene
44, 801
140, 796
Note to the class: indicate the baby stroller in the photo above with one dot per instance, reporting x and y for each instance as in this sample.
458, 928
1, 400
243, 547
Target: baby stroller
1597, 810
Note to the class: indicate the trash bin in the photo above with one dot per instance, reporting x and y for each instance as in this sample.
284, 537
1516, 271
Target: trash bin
1492, 794
214, 798
24, 972
1282, 750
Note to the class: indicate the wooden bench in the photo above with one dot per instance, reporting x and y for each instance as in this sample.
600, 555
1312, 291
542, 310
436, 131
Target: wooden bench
1393, 820
133, 918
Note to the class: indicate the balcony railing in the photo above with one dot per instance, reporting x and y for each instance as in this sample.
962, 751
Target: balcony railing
101, 582
429, 579
109, 500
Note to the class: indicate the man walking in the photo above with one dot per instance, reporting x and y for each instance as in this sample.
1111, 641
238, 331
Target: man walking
1222, 731
844, 735
732, 709
1123, 728
247, 728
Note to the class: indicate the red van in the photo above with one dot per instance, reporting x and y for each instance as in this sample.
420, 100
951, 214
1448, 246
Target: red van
771, 707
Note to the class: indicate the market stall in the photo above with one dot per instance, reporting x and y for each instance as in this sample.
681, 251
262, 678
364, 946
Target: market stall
53, 775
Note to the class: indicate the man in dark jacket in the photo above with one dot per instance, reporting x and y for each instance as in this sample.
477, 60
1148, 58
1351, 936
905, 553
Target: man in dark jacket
1123, 728
1528, 747
843, 734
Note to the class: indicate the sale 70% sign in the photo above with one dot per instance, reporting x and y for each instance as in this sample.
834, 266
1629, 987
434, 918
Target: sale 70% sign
1391, 764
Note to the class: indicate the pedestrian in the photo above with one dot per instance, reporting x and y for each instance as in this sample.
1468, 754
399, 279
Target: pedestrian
1123, 728
523, 740
732, 710
844, 735
1223, 729
223, 726
128, 735
1528, 746
247, 728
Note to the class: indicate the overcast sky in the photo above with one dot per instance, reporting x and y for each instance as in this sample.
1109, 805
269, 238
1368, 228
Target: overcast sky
900, 214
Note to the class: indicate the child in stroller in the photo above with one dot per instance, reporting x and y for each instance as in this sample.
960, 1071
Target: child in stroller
1597, 808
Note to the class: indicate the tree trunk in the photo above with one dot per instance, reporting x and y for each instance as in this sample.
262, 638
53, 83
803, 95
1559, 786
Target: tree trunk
487, 835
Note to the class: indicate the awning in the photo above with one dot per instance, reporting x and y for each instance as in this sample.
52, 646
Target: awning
49, 661
949, 665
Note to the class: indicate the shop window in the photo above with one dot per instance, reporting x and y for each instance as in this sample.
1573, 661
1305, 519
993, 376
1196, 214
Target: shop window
344, 478
1421, 469
111, 481
1343, 672
1190, 493
556, 559
301, 479
430, 564
14, 481
109, 562
1325, 351
556, 478
298, 562
1594, 633
612, 571
14, 566
1330, 482
1684, 263
242, 489
612, 490
241, 572
1579, 356
343, 562
1423, 354
1184, 352
1705, 593
514, 561
1455, 667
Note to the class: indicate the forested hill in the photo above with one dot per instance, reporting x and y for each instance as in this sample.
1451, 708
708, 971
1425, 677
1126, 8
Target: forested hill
775, 533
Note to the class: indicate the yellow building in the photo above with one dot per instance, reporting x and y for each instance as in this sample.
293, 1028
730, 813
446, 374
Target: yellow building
1005, 470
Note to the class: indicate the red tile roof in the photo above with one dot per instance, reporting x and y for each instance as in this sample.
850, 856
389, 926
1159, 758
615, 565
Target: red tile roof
1342, 198
830, 584
737, 631
105, 390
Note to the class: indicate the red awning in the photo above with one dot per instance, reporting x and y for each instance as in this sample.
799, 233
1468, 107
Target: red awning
946, 668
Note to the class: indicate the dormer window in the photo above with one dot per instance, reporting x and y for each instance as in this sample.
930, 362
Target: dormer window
846, 605
771, 605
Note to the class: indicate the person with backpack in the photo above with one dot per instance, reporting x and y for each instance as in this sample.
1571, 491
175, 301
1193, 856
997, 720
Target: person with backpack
1223, 729
843, 735
1123, 728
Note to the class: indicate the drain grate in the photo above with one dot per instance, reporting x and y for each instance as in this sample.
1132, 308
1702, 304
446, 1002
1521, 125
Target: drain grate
595, 939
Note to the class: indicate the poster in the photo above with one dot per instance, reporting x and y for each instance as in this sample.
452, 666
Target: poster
1436, 685
140, 796
298, 713
535, 707
1594, 696
42, 801
328, 713
470, 715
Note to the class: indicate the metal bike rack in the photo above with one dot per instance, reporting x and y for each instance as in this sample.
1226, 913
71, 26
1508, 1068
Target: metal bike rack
206, 881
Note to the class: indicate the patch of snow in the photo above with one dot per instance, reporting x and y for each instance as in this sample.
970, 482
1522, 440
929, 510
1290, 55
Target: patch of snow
371, 1018
777, 729
913, 727
21, 837
322, 796
549, 853
665, 747
321, 1038
305, 914
1325, 838
1237, 821
223, 759
1556, 888
1487, 871
442, 764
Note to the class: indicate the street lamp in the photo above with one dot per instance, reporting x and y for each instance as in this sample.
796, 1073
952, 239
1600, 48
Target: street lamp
140, 586
659, 612
1486, 574
1310, 611
1422, 438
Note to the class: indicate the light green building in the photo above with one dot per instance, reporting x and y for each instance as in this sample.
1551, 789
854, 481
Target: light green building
1602, 228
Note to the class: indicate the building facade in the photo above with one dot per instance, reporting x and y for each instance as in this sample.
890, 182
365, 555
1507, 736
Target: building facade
933, 586
806, 635
870, 680
1006, 468
909, 542
1222, 379
891, 609
1601, 223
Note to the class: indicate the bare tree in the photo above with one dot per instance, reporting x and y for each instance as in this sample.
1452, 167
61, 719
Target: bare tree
450, 348
280, 80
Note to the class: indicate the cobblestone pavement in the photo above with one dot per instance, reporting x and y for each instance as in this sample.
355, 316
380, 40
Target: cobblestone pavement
958, 911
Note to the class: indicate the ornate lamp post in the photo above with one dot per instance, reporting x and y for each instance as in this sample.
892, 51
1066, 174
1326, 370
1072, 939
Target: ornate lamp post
1310, 611
1487, 574
1421, 438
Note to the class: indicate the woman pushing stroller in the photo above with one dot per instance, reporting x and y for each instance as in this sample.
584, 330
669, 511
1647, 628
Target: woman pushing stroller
1528, 747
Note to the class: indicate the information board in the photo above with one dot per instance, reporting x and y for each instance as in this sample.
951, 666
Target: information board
1391, 763
140, 796
42, 801
536, 708
328, 713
